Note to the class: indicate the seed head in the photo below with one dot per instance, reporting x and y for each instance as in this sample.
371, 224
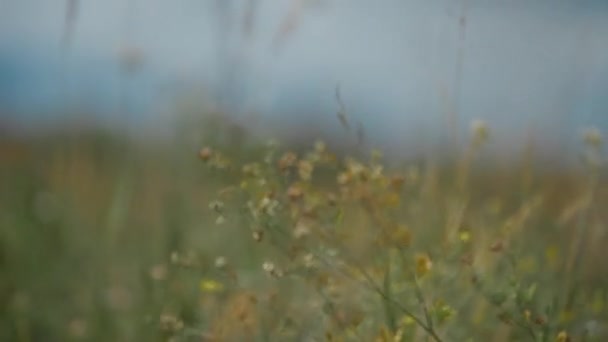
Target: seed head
272, 270
220, 262
305, 169
294, 192
423, 265
287, 161
562, 337
205, 154
258, 235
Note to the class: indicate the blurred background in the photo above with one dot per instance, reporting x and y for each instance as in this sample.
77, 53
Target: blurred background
105, 104
408, 71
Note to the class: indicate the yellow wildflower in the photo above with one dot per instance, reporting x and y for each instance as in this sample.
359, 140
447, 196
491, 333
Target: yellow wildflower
423, 265
210, 286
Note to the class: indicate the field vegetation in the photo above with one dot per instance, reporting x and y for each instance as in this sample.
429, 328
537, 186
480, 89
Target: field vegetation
224, 239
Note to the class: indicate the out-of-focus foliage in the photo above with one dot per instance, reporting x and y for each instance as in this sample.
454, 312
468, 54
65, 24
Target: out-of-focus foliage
106, 239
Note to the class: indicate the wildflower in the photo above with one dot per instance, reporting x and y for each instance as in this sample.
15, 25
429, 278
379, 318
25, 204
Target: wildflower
305, 169
216, 206
258, 235
287, 161
376, 172
220, 262
172, 323
444, 312
344, 178
301, 229
210, 286
464, 236
294, 192
272, 270
309, 261
251, 170
407, 320
268, 205
355, 168
562, 337
423, 265
205, 154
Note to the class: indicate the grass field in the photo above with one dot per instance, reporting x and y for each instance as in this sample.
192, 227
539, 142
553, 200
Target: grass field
104, 239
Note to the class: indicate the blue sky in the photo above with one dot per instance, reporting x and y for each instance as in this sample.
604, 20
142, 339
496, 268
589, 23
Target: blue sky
541, 64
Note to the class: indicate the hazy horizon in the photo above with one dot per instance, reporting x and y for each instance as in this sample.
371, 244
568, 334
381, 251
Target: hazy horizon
402, 67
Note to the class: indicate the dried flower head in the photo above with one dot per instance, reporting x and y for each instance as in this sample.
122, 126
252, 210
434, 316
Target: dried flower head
258, 235
423, 265
272, 270
497, 247
305, 169
294, 192
344, 178
397, 182
171, 323
205, 154
288, 160
301, 229
268, 206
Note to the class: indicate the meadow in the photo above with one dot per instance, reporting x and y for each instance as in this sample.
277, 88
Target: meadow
103, 238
